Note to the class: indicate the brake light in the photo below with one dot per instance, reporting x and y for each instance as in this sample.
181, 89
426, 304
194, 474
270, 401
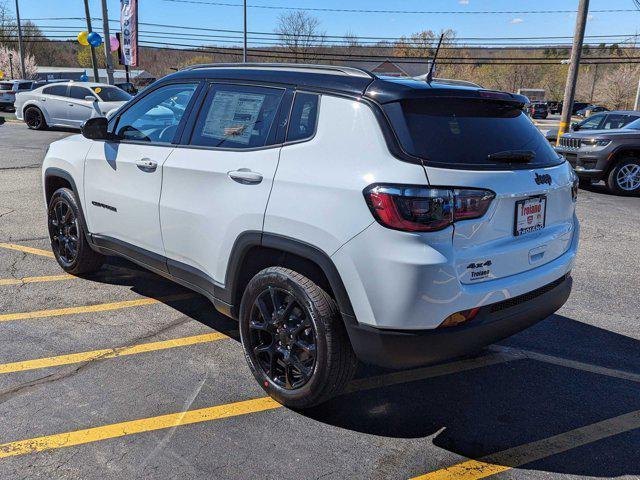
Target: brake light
425, 209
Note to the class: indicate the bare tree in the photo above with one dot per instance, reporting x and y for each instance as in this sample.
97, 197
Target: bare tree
300, 34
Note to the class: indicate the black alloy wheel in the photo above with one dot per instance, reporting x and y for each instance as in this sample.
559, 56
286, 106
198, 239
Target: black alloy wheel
34, 119
63, 231
283, 338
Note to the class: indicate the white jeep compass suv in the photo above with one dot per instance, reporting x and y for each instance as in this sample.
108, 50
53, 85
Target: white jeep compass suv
336, 214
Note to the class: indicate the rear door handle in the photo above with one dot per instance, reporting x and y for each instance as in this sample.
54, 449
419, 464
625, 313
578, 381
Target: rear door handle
245, 176
146, 165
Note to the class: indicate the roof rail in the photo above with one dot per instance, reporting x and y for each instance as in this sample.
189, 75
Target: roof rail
349, 71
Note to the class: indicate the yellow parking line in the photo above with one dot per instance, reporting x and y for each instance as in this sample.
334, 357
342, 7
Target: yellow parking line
22, 248
100, 307
108, 353
115, 430
95, 434
523, 454
48, 278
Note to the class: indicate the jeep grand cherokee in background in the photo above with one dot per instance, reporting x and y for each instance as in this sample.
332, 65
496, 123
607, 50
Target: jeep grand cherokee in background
609, 155
336, 214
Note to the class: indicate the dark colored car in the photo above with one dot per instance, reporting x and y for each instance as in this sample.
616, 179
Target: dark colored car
127, 87
611, 155
599, 121
554, 106
590, 110
538, 110
577, 106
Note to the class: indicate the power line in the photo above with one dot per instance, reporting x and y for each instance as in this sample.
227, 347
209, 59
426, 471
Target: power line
413, 12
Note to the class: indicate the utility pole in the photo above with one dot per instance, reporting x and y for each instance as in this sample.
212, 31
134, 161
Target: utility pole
572, 75
107, 42
244, 45
593, 83
20, 49
636, 105
94, 60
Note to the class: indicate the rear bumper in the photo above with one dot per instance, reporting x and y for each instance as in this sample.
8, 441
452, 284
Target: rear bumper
406, 349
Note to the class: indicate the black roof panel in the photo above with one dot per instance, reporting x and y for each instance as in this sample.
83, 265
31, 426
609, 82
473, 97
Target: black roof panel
339, 79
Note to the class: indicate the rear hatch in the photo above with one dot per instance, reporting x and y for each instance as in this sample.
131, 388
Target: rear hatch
7, 95
489, 143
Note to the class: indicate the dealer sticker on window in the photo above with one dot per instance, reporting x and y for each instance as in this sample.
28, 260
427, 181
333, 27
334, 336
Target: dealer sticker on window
530, 215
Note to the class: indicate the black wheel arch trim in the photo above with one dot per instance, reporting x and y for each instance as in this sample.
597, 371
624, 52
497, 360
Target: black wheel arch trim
251, 239
58, 172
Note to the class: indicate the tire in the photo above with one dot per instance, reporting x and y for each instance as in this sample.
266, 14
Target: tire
584, 182
279, 349
34, 118
66, 232
624, 178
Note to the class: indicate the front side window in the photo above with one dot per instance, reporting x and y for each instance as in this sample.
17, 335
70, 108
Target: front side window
112, 94
156, 116
303, 117
235, 116
60, 90
592, 122
24, 86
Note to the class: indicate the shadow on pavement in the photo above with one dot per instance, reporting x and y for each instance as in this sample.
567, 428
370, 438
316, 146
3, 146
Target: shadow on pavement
478, 412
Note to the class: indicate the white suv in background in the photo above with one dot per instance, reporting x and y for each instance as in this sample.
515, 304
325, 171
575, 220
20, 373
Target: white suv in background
337, 215
67, 104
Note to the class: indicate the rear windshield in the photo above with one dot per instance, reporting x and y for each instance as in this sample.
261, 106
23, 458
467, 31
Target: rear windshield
462, 133
111, 94
6, 86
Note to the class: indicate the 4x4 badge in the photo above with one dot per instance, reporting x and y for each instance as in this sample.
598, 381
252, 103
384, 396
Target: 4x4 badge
545, 178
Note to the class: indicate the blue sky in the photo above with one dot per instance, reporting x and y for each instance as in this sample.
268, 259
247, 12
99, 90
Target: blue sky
370, 24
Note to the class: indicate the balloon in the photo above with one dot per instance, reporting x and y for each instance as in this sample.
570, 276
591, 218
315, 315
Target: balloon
82, 38
84, 78
1, 74
113, 41
94, 39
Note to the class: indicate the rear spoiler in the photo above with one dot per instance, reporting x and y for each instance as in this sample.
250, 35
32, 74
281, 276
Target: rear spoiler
386, 92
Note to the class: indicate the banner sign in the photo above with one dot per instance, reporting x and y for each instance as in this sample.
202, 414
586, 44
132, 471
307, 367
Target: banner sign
129, 32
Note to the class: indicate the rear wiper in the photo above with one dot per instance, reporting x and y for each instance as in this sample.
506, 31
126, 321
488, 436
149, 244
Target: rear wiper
512, 156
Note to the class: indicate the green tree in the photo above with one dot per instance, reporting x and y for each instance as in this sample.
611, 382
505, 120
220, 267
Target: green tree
83, 56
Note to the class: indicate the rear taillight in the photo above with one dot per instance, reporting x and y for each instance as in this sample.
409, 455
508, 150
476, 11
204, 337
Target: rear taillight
425, 209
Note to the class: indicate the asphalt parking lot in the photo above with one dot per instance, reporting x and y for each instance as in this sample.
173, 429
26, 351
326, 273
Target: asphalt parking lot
126, 374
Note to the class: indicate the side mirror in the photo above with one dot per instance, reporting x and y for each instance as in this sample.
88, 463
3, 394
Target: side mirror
575, 126
90, 98
95, 129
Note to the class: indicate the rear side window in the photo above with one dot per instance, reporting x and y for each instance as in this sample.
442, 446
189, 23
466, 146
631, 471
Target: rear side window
462, 133
237, 116
60, 90
24, 86
304, 114
615, 120
79, 92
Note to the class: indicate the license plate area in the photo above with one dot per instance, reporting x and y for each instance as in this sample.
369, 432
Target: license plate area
530, 215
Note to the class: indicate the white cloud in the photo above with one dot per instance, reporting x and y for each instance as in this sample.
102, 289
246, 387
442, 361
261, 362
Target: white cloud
516, 20
463, 2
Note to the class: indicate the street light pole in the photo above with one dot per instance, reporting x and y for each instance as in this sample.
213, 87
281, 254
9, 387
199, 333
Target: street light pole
94, 60
107, 43
244, 45
11, 64
572, 75
20, 49
636, 105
